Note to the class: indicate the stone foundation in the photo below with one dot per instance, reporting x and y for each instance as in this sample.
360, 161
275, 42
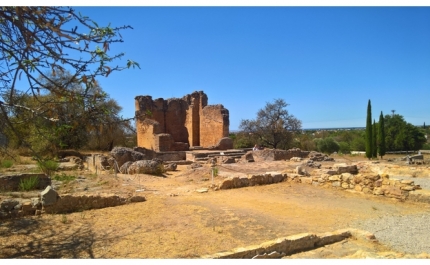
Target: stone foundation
286, 246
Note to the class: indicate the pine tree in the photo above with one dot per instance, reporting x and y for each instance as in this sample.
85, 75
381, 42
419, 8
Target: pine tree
369, 134
381, 136
374, 140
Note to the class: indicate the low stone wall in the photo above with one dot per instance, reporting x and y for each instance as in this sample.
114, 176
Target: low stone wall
171, 156
278, 154
252, 180
367, 183
11, 182
50, 202
286, 246
338, 177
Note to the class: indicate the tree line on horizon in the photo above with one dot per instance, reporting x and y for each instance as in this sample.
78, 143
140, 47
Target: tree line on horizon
391, 133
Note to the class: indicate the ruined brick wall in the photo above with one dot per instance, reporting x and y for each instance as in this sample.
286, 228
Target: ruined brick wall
147, 129
214, 124
189, 121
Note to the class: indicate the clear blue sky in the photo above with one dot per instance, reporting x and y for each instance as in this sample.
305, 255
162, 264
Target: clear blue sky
326, 62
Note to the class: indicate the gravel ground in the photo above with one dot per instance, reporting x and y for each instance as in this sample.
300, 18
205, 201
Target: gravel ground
408, 233
423, 182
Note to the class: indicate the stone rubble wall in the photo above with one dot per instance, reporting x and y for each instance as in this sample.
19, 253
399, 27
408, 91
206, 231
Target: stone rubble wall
338, 177
286, 246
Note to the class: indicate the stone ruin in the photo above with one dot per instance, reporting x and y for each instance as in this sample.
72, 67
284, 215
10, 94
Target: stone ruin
180, 124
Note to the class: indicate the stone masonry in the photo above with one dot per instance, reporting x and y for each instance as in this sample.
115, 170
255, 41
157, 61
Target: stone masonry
176, 124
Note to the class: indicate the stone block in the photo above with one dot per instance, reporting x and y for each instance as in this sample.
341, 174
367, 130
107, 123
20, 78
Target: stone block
49, 196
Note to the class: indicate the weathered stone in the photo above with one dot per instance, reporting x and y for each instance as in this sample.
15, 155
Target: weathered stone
170, 167
334, 178
8, 204
35, 202
378, 191
408, 188
407, 182
153, 166
226, 184
358, 188
345, 185
344, 168
124, 154
137, 199
48, 196
336, 184
278, 154
124, 168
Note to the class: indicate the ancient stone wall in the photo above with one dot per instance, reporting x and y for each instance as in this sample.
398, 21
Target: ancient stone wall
214, 124
189, 121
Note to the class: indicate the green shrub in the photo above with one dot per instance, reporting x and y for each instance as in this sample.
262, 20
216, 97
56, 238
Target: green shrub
6, 163
29, 183
48, 166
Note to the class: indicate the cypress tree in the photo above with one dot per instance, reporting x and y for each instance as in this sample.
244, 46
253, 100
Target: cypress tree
381, 136
374, 140
369, 134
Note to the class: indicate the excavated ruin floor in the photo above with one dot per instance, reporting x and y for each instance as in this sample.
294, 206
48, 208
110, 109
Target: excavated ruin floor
182, 218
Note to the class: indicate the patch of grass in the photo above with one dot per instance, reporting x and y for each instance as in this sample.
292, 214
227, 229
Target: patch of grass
29, 183
64, 178
64, 219
6, 163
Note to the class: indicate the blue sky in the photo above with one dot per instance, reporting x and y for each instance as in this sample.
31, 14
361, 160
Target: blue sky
326, 62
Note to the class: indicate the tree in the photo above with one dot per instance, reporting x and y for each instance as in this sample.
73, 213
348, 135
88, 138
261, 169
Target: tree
35, 40
402, 136
374, 140
327, 145
274, 126
369, 135
381, 136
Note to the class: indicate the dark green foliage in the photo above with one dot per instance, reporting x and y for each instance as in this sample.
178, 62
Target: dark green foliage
242, 140
344, 148
381, 136
369, 134
327, 145
402, 136
374, 140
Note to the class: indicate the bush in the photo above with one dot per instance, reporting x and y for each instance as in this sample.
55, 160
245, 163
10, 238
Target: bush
29, 183
48, 166
327, 145
344, 148
6, 163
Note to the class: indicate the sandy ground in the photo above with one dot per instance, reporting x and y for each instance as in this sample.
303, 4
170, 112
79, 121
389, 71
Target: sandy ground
177, 221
